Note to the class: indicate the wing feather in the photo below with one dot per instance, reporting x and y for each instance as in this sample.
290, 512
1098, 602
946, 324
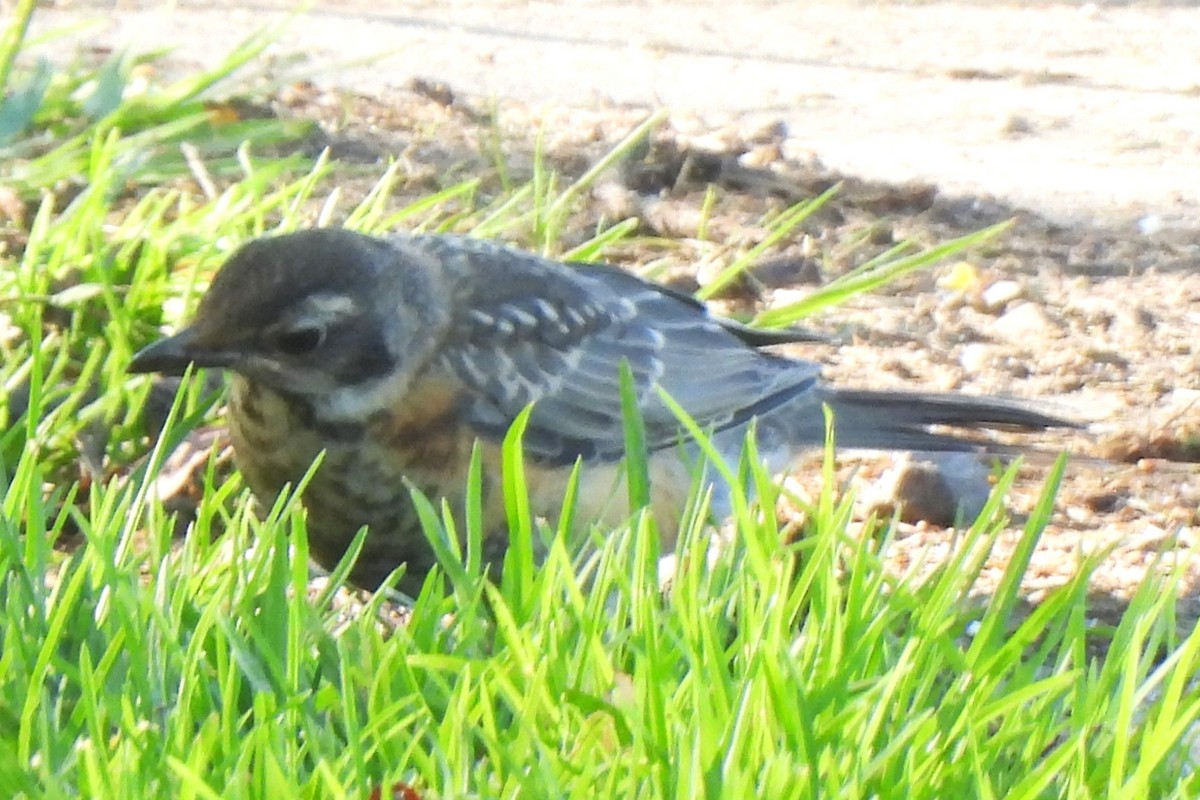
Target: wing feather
531, 330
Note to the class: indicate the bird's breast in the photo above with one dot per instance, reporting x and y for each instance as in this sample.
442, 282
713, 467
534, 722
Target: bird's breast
364, 474
273, 441
366, 471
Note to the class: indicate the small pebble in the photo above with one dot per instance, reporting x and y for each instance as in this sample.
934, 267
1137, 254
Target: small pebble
1025, 322
976, 357
1150, 224
994, 298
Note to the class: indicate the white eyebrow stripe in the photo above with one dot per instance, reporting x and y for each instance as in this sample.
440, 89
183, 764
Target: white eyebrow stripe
329, 306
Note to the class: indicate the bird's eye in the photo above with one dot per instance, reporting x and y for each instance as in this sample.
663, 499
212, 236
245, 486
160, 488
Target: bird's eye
301, 340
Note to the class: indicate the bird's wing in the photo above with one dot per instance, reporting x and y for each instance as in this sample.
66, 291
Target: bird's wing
528, 330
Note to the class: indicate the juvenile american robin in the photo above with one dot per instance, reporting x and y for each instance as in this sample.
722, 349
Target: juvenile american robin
395, 355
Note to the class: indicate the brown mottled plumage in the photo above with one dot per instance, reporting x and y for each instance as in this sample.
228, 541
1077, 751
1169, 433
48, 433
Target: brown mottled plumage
393, 356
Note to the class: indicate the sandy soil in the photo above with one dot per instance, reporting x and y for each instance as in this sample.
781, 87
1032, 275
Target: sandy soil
1081, 111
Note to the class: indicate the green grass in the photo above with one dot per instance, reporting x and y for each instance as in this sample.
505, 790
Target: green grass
135, 667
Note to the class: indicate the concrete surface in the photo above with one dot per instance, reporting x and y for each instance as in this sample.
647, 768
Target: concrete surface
1081, 112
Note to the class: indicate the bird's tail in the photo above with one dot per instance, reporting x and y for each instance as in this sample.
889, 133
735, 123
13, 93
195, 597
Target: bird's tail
875, 420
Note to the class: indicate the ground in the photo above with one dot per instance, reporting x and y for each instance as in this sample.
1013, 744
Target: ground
1079, 122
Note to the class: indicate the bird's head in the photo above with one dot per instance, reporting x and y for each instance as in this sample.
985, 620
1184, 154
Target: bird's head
316, 314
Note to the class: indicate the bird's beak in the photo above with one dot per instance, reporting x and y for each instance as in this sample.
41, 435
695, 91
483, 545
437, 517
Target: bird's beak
171, 356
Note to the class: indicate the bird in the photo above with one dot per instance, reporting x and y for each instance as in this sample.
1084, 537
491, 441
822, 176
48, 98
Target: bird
393, 357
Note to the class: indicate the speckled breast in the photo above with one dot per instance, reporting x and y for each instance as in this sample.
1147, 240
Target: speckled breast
360, 481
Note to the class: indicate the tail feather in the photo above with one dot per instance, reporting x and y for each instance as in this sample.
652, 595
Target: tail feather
878, 420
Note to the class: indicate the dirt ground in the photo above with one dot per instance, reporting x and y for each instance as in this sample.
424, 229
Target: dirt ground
1091, 302
1081, 111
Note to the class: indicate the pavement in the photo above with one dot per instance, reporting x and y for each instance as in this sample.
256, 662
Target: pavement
1085, 113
